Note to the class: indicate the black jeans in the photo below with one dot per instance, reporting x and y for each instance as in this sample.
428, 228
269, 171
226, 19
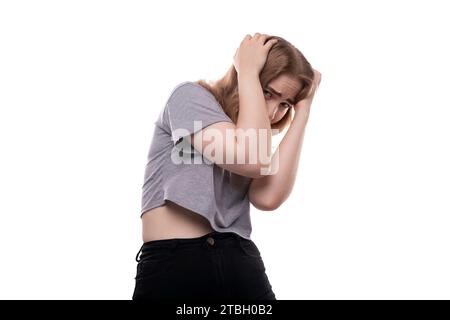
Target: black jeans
215, 267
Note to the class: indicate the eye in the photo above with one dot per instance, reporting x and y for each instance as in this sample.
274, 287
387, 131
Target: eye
286, 105
265, 91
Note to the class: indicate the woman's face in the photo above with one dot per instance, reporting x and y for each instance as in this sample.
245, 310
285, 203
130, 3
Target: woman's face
278, 105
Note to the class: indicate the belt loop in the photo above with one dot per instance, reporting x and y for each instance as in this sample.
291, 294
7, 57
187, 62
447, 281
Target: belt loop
138, 253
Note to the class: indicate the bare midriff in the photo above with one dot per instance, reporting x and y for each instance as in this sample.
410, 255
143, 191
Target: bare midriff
173, 221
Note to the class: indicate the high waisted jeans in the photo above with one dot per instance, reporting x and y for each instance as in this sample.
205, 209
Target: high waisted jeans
215, 267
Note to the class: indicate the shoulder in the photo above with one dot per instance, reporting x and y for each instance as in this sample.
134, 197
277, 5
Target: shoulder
194, 95
188, 89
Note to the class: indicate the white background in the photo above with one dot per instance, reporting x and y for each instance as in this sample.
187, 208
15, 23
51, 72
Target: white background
81, 83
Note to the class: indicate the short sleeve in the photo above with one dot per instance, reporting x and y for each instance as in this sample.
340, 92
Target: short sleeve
192, 108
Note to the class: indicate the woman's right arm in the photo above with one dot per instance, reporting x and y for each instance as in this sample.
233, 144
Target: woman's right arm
253, 119
236, 148
248, 145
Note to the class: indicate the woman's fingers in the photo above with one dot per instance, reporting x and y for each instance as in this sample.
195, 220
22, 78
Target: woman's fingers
260, 37
257, 36
246, 38
270, 43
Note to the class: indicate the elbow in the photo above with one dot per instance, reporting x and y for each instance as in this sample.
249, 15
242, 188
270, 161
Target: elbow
266, 204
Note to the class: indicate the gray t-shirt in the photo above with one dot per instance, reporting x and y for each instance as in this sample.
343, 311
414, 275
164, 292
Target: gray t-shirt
197, 184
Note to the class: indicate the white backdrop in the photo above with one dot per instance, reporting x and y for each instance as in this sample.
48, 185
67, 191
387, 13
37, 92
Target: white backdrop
81, 83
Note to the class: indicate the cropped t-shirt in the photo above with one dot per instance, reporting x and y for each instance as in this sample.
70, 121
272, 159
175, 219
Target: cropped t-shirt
177, 172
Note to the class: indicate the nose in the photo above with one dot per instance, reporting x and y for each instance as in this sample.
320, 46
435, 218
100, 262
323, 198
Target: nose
272, 113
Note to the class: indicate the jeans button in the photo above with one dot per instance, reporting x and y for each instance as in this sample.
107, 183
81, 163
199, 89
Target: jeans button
210, 240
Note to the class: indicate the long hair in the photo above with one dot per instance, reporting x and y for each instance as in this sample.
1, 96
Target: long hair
283, 59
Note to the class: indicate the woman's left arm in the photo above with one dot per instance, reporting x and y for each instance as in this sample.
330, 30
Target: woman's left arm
269, 192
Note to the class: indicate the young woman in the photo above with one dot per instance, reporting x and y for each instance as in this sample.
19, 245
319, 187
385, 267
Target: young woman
204, 168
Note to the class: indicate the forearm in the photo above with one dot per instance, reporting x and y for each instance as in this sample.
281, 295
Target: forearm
278, 185
253, 115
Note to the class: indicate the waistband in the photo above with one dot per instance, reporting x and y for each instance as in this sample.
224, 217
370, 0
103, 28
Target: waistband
221, 237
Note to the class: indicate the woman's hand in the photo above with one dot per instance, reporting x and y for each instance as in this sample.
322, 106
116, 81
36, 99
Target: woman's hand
303, 107
251, 55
